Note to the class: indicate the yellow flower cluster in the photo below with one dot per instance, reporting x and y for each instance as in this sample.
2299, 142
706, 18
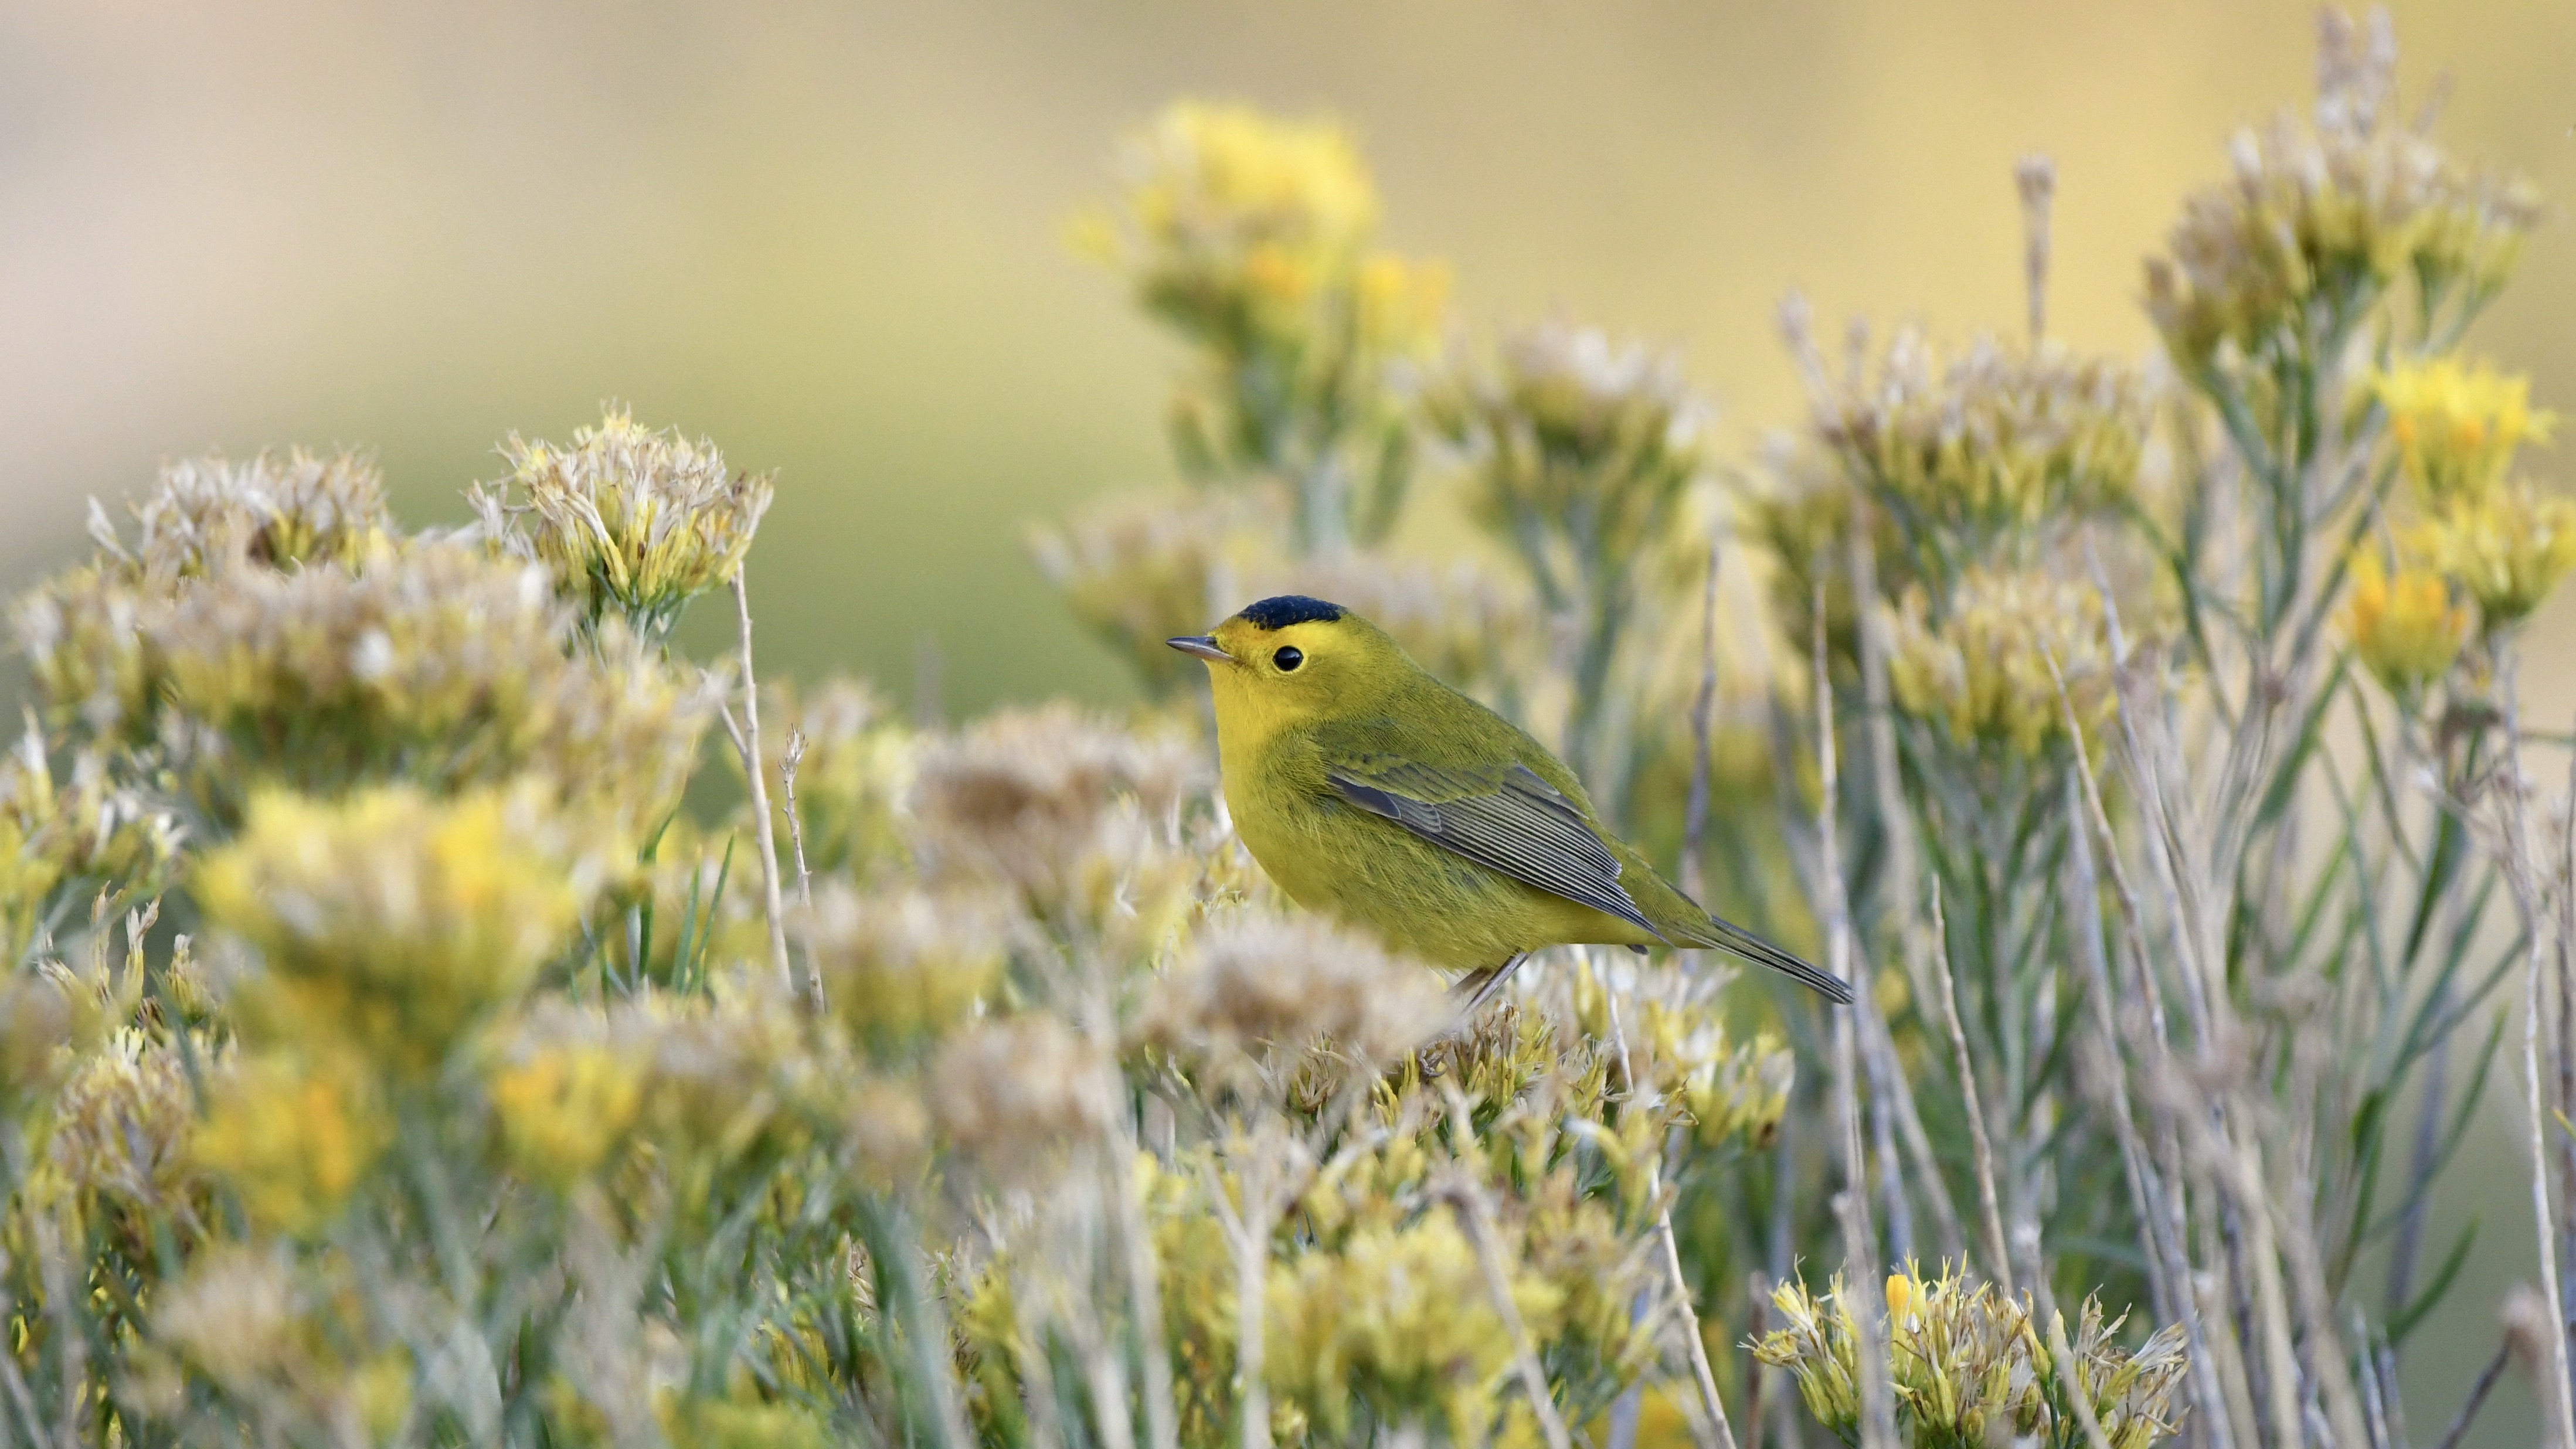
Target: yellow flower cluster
564, 1105
2485, 536
1983, 672
1398, 1319
1255, 238
2405, 627
1681, 1051
390, 922
439, 665
293, 1133
626, 518
1248, 226
1970, 1365
61, 842
1993, 447
2455, 427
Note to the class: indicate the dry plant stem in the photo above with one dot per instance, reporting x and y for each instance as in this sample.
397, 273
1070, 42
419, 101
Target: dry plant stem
1477, 1218
1877, 1392
2169, 1234
1758, 1325
2036, 178
1703, 720
2459, 1430
1470, 1205
2232, 1170
2170, 1288
1989, 1207
763, 833
1144, 1293
24, 1402
2064, 1355
793, 756
1702, 1374
1902, 866
72, 1343
1249, 1232
2517, 862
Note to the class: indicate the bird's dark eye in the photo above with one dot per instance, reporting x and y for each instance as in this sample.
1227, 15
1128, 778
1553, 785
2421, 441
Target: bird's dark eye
1288, 658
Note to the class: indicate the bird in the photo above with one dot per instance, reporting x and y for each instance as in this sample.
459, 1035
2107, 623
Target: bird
1372, 792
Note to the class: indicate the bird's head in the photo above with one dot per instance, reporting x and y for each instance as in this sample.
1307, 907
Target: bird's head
1289, 659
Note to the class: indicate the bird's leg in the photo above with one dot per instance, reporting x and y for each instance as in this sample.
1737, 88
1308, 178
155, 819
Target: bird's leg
1470, 993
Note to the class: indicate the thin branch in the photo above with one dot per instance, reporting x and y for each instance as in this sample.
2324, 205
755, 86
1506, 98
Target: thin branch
1470, 1204
1989, 1207
788, 760
1703, 720
747, 740
1702, 1375
2477, 1399
1877, 1392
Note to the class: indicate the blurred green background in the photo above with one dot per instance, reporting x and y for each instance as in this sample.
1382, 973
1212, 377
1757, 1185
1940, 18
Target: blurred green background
829, 236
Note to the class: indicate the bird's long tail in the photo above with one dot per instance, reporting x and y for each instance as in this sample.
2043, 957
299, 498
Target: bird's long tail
1727, 936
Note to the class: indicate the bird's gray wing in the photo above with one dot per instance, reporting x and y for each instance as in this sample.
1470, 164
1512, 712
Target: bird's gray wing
1505, 818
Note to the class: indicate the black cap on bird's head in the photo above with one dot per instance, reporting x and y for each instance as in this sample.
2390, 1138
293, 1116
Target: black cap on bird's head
1269, 616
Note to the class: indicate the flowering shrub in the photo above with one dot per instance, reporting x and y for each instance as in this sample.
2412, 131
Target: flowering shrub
393, 1051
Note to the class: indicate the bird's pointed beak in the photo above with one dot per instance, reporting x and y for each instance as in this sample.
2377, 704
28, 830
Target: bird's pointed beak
1203, 646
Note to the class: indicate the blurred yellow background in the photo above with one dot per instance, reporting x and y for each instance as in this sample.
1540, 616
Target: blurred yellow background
829, 236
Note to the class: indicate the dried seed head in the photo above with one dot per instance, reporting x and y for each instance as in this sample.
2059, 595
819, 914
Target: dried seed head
438, 665
853, 777
64, 841
1576, 433
121, 1125
1140, 569
626, 518
903, 967
1259, 988
1013, 1093
2324, 218
1981, 456
210, 515
1033, 798
234, 1318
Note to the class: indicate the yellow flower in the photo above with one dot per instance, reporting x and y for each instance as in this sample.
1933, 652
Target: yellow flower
2507, 548
2455, 426
1902, 1291
1983, 671
1208, 168
390, 921
293, 1137
2405, 628
565, 1105
1401, 302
